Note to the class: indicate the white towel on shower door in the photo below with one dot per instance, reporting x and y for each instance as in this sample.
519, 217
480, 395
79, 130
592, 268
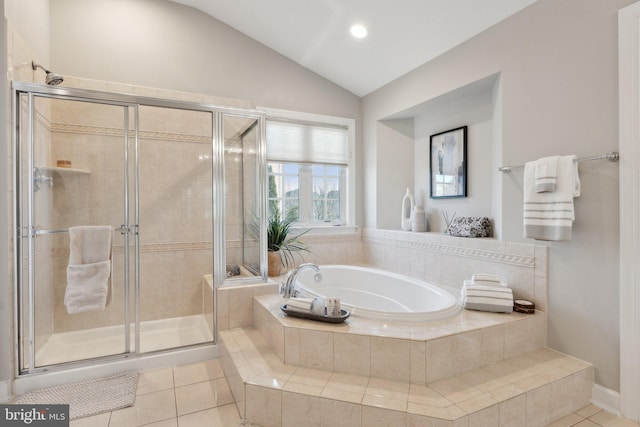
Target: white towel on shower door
87, 287
89, 244
89, 270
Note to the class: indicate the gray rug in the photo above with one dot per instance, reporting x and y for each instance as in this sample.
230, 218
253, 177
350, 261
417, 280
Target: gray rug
89, 397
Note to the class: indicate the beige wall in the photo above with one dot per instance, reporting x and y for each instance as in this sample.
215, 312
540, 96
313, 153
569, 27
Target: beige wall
558, 82
167, 45
32, 17
16, 54
6, 294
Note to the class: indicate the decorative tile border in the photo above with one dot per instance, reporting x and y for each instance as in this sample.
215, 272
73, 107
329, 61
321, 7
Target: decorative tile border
153, 247
143, 134
480, 254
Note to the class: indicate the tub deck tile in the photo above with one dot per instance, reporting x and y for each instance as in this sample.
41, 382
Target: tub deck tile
450, 399
422, 351
470, 391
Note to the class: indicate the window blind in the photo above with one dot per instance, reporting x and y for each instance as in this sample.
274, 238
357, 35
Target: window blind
306, 143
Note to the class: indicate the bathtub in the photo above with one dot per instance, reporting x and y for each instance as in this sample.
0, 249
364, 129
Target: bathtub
378, 294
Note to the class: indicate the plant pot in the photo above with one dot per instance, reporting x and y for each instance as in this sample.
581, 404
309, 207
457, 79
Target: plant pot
275, 263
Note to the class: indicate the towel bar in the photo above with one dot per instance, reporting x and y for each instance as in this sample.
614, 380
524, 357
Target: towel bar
122, 229
612, 157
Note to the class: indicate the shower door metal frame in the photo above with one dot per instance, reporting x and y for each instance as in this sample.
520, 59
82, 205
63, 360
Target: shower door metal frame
31, 231
218, 209
261, 155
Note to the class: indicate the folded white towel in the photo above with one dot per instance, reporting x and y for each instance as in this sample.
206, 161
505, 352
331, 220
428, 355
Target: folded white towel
486, 279
87, 288
89, 270
549, 216
488, 283
302, 305
546, 174
487, 298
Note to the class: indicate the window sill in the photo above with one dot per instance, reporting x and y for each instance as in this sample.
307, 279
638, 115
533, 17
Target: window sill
327, 230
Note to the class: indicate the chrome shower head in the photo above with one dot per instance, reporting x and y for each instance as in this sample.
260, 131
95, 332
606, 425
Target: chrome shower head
51, 79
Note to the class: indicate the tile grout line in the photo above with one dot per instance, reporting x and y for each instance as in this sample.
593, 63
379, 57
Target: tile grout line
175, 396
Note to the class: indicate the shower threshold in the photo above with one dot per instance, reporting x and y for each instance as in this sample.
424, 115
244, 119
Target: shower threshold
154, 335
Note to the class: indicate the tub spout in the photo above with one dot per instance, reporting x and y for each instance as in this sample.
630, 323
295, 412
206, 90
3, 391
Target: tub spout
288, 287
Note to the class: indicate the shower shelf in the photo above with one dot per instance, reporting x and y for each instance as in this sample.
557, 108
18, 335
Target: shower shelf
65, 170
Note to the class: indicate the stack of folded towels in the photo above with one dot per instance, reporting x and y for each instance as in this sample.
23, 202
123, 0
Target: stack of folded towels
485, 292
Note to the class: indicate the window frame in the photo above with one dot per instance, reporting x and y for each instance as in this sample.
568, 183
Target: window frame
348, 184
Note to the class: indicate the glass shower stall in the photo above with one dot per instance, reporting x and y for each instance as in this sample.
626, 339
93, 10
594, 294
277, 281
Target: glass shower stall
178, 188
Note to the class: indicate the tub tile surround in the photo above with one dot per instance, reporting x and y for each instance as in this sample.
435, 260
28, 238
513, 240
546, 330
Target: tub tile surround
399, 351
538, 386
448, 261
468, 370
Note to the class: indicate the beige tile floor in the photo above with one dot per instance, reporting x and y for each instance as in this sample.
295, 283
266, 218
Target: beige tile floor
195, 395
198, 395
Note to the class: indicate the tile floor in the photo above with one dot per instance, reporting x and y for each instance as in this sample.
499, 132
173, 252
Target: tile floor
198, 395
187, 396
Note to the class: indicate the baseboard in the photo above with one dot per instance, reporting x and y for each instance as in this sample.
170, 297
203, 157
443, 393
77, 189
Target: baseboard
5, 391
605, 398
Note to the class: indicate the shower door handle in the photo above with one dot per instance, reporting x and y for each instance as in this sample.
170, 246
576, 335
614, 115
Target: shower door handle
123, 229
131, 229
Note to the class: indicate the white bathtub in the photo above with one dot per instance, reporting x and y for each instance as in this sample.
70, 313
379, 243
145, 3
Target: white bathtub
378, 294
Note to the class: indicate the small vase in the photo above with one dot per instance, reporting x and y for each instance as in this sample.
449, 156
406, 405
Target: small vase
418, 219
407, 208
275, 264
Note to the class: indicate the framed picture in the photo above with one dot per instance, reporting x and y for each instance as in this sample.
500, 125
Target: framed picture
448, 164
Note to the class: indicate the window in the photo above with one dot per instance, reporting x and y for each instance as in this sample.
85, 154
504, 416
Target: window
309, 170
326, 193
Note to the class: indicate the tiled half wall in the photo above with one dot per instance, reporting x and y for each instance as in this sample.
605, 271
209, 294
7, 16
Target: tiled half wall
432, 257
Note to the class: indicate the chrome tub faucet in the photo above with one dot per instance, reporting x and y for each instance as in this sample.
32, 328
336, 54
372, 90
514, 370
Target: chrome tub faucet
288, 287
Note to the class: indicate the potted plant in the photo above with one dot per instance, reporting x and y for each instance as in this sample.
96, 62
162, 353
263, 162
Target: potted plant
281, 246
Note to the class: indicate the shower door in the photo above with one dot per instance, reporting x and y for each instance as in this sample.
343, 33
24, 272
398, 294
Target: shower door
243, 177
175, 197
74, 169
154, 171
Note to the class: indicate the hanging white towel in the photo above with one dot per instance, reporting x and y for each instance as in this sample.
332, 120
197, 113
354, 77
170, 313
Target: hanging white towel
87, 287
89, 244
546, 174
89, 270
496, 299
549, 216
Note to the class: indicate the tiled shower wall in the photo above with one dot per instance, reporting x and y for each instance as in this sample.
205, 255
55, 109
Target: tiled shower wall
176, 247
175, 203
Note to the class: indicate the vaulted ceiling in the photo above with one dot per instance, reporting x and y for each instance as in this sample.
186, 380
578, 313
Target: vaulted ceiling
402, 35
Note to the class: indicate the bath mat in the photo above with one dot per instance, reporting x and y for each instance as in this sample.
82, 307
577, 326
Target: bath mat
89, 397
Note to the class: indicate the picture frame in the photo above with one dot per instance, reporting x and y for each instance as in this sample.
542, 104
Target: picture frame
448, 164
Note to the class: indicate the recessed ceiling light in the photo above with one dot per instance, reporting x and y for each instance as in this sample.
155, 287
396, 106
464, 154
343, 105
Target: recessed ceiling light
358, 31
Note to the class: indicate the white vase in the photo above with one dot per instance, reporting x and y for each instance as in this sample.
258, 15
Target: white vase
418, 220
407, 209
